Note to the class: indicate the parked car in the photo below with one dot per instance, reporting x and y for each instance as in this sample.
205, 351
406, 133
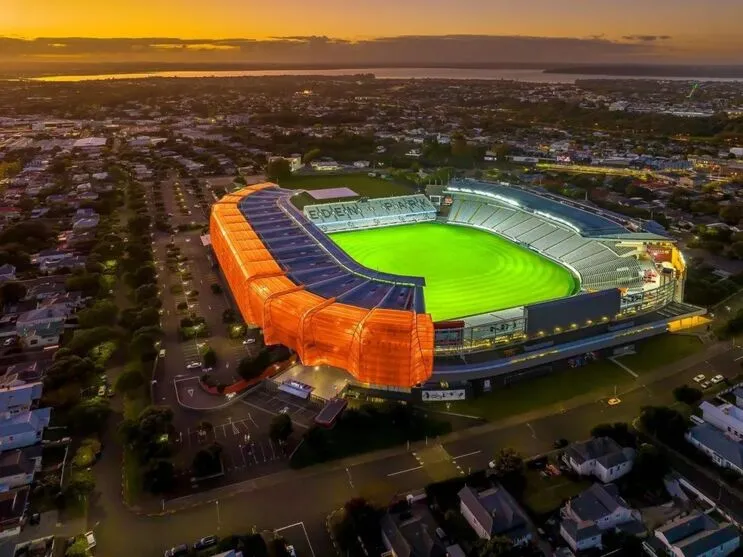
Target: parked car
102, 390
205, 542
249, 341
177, 551
705, 385
291, 551
193, 365
717, 379
699, 378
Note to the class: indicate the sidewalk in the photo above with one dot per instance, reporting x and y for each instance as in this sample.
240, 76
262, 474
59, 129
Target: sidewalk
206, 497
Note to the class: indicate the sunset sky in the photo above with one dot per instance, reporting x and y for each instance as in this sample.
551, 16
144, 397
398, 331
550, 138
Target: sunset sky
678, 29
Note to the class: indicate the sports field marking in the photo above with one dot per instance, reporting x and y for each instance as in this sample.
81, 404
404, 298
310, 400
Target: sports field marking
467, 271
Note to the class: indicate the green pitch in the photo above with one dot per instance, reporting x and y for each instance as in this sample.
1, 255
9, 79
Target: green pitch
467, 271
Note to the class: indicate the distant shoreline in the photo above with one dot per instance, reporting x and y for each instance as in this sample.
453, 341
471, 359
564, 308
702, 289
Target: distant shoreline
505, 72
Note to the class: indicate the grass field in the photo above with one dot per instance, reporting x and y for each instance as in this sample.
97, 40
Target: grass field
467, 271
598, 377
661, 350
362, 184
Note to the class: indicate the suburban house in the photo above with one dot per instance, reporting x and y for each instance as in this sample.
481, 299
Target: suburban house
412, 533
698, 535
40, 336
7, 272
57, 313
17, 467
12, 509
726, 417
494, 512
601, 457
23, 430
597, 509
17, 396
724, 451
580, 535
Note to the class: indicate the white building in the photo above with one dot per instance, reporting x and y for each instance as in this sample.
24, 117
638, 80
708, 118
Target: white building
601, 457
597, 509
726, 417
698, 535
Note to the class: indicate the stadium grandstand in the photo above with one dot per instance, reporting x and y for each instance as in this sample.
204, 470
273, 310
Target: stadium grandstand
371, 213
289, 277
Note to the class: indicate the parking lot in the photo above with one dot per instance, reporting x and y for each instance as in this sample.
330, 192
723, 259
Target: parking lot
274, 402
242, 430
296, 536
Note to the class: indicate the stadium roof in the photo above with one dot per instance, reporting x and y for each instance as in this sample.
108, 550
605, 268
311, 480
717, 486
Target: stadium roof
313, 261
590, 221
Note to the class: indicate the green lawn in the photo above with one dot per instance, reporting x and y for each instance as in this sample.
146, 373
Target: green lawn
546, 494
362, 184
661, 350
540, 392
467, 271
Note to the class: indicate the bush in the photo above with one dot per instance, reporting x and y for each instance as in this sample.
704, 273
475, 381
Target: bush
216, 289
87, 453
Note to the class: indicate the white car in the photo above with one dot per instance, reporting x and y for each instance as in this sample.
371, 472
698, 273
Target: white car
193, 365
717, 379
291, 551
705, 384
90, 538
699, 378
249, 341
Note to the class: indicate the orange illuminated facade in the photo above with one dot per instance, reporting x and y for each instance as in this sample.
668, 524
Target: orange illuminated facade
383, 347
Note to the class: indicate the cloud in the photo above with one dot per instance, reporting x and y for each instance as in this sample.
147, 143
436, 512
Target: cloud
441, 50
646, 38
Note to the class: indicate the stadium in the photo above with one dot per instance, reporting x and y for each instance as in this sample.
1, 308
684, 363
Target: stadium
477, 285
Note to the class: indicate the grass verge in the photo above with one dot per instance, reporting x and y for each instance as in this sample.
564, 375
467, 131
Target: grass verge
661, 350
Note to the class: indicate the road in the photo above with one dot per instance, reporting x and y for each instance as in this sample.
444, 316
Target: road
307, 496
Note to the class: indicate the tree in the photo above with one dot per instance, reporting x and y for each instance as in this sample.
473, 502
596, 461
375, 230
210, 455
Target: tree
278, 169
229, 316
665, 423
145, 293
508, 461
687, 395
79, 548
619, 432
649, 468
210, 357
103, 312
497, 546
80, 485
68, 369
131, 379
248, 369
207, 461
89, 416
12, 292
159, 476
86, 453
310, 156
281, 428
85, 340
87, 283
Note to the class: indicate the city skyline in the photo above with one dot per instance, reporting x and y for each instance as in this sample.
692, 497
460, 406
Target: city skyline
670, 31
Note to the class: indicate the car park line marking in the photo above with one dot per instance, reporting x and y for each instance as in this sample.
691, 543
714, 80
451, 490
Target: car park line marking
466, 454
242, 454
404, 471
